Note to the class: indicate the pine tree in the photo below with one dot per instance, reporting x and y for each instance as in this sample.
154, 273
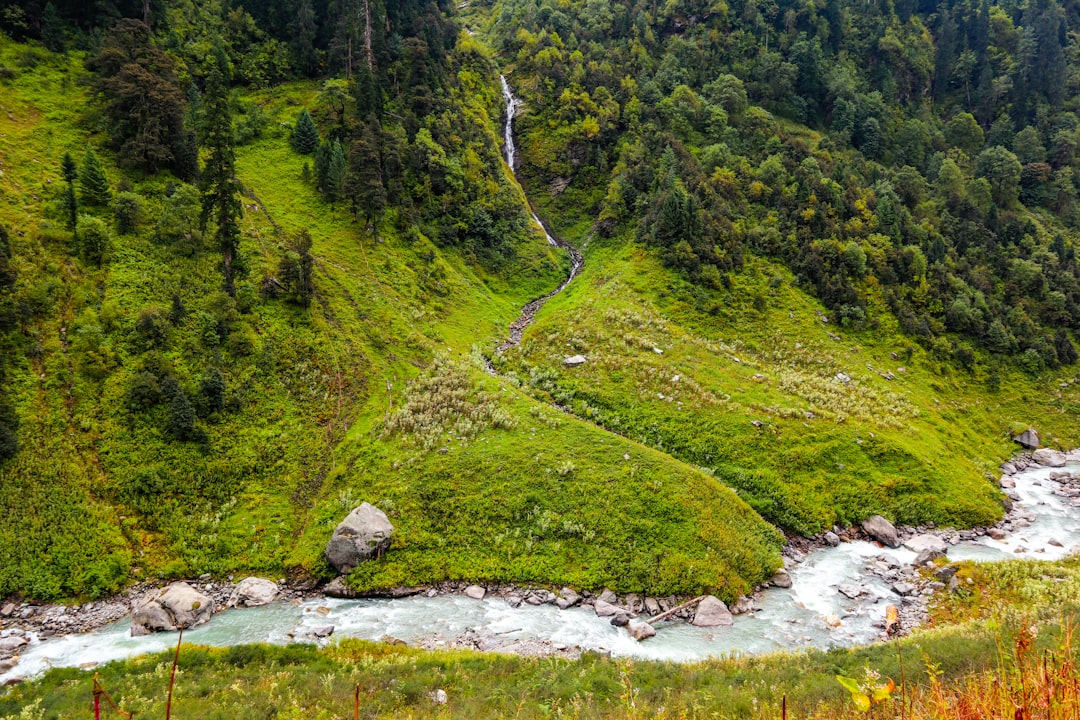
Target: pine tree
93, 186
70, 171
213, 389
219, 184
1066, 352
364, 185
322, 163
305, 136
52, 29
304, 31
181, 422
335, 173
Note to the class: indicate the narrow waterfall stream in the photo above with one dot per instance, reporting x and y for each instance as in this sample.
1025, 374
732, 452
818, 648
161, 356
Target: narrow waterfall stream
576, 260
785, 618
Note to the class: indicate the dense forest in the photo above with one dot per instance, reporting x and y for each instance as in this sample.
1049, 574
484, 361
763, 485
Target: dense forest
712, 130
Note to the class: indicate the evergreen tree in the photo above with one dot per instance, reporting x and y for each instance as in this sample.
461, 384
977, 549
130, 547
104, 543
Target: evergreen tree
1066, 352
93, 186
304, 31
322, 163
212, 388
305, 136
335, 173
142, 98
70, 171
8, 276
364, 185
297, 270
219, 184
181, 421
52, 29
9, 426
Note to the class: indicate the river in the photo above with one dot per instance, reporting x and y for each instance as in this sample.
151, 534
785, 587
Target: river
787, 619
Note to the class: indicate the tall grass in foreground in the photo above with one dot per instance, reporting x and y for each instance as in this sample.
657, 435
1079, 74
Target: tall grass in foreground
1029, 683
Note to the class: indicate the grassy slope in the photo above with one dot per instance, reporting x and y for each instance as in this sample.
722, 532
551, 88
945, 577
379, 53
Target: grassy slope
98, 488
300, 682
914, 448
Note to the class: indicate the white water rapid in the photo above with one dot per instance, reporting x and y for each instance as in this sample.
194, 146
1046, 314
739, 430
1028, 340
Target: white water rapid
786, 618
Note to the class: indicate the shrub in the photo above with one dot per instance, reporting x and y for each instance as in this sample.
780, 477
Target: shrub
93, 239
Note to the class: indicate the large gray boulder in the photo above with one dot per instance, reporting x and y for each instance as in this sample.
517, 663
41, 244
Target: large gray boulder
1049, 458
712, 612
363, 534
177, 606
253, 592
1029, 439
881, 530
640, 630
926, 542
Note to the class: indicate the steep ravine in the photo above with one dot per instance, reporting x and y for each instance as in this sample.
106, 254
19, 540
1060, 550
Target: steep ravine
577, 261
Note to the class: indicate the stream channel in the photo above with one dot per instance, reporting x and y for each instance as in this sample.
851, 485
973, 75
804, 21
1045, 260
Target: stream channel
788, 618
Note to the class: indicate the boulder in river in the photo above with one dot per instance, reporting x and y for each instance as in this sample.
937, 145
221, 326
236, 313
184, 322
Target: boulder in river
475, 592
605, 609
1029, 439
253, 592
574, 361
178, 605
781, 579
12, 644
832, 539
1049, 458
926, 542
7, 665
712, 612
363, 534
640, 630
996, 533
567, 598
881, 530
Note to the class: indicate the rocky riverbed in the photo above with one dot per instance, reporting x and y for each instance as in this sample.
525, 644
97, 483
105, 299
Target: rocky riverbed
834, 589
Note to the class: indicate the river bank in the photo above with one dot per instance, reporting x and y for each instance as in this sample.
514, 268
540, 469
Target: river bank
835, 590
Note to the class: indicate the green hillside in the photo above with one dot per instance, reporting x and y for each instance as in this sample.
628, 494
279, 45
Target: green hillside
267, 285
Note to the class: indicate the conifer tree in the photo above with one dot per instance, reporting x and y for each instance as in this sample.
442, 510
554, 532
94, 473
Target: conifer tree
93, 186
181, 422
1066, 352
213, 389
305, 136
322, 163
297, 268
364, 185
335, 173
52, 29
219, 184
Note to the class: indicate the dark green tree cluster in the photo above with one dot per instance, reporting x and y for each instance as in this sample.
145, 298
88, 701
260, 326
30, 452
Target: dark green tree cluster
142, 98
943, 127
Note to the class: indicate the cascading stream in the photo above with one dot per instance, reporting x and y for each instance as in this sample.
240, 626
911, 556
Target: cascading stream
528, 313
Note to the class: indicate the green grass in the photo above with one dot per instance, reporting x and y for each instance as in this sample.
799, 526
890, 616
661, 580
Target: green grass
395, 682
915, 448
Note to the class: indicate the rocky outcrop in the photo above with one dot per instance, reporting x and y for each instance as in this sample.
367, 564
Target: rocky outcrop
364, 534
177, 606
712, 612
1029, 439
881, 530
253, 592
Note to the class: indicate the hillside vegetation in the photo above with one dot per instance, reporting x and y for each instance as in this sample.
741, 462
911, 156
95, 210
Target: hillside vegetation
259, 260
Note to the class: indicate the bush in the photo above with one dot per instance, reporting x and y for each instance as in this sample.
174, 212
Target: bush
93, 239
128, 209
143, 391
